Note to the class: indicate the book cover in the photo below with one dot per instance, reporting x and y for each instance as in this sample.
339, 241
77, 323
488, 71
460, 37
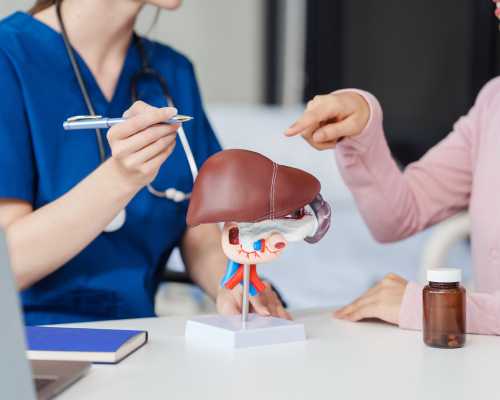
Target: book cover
82, 344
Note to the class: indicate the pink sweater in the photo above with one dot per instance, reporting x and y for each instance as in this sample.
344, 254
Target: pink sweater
461, 172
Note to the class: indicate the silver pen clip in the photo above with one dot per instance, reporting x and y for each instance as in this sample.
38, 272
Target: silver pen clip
79, 118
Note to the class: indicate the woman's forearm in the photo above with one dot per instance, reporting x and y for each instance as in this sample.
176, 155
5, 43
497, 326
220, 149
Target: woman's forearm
202, 254
207, 272
397, 204
47, 238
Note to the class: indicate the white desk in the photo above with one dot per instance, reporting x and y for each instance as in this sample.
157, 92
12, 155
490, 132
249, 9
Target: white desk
341, 360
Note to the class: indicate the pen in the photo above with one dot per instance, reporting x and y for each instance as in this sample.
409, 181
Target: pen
97, 122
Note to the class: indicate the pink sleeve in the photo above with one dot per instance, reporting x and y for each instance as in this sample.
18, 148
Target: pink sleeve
483, 311
396, 204
410, 313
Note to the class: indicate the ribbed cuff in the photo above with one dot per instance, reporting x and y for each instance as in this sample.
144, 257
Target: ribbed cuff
410, 313
363, 141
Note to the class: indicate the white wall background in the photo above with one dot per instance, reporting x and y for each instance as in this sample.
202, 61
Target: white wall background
224, 38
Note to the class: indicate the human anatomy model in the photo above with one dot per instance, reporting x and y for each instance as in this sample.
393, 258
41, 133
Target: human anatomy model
263, 206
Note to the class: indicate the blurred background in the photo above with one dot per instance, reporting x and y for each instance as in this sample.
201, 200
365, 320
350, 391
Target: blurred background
258, 61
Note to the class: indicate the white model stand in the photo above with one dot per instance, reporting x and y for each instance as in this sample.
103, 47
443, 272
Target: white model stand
228, 331
247, 330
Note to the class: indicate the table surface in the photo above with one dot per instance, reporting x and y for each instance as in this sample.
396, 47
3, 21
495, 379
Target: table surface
342, 360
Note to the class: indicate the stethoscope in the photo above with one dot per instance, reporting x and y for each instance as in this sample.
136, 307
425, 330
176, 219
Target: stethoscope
146, 72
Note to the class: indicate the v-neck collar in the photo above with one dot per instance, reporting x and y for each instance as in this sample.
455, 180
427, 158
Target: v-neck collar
98, 98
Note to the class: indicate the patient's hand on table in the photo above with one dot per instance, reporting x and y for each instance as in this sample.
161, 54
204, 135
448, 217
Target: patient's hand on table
383, 301
266, 303
330, 118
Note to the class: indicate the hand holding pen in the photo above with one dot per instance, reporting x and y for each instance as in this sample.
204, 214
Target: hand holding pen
141, 143
172, 123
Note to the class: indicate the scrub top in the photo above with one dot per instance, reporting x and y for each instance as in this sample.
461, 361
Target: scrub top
116, 276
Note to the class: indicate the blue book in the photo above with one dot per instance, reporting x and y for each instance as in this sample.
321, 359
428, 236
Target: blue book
108, 346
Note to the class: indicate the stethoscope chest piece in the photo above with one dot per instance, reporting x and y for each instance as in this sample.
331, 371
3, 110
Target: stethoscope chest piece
117, 222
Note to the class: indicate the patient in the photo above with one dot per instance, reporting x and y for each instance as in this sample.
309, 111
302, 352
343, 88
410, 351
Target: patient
461, 172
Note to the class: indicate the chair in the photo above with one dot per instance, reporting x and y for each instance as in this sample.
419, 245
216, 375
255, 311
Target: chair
443, 238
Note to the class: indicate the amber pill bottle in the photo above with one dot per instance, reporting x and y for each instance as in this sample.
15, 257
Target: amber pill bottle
444, 309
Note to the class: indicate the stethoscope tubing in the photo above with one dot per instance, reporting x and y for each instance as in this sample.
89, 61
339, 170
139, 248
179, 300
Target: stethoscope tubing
146, 70
170, 193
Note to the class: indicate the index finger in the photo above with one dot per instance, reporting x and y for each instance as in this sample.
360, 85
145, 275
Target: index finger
282, 313
141, 121
319, 110
365, 299
260, 308
307, 121
367, 311
140, 107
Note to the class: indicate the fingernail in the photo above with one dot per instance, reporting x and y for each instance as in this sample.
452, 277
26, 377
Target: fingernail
317, 136
171, 109
267, 313
290, 128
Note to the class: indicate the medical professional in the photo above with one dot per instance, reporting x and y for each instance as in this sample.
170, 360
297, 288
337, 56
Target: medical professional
462, 172
88, 224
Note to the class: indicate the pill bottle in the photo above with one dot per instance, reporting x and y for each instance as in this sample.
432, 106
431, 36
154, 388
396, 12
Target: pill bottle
444, 309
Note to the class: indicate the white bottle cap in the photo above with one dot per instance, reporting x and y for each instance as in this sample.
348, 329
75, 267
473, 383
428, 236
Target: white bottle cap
444, 275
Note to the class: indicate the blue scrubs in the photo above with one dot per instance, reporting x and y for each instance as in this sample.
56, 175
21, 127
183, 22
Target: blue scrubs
116, 276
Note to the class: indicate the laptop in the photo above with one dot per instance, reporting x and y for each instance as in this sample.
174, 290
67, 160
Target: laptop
20, 380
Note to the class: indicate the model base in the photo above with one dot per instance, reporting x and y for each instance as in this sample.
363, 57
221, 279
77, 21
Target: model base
228, 332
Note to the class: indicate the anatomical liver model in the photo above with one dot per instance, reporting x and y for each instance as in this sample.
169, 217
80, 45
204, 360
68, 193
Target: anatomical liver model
264, 206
